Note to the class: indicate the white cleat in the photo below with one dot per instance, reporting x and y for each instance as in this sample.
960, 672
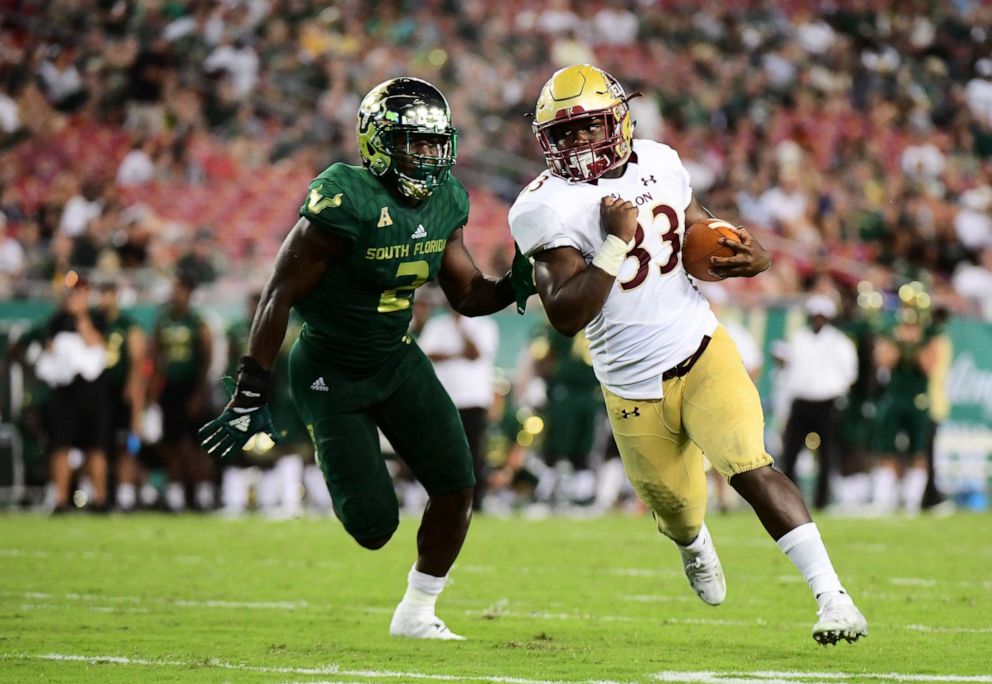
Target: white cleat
702, 567
839, 619
419, 626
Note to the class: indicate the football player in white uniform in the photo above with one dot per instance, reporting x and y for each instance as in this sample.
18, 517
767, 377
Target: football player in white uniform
604, 225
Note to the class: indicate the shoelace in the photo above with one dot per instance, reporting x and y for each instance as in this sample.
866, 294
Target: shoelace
703, 567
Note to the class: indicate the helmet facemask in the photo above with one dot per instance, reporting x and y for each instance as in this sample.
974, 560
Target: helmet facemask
590, 160
418, 174
578, 96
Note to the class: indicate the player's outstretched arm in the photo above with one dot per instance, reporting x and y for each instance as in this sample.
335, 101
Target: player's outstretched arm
302, 260
750, 256
469, 291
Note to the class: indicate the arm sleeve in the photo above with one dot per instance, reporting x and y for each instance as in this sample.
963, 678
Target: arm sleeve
537, 227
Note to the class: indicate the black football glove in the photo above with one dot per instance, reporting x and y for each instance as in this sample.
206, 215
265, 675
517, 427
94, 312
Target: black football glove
246, 415
522, 279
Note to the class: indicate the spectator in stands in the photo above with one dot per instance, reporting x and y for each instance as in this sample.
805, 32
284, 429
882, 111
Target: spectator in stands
138, 167
821, 365
182, 352
82, 208
126, 392
147, 78
199, 263
973, 281
12, 258
463, 351
60, 79
71, 365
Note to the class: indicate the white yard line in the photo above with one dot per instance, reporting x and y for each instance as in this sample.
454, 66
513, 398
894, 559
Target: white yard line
762, 677
333, 670
182, 603
695, 677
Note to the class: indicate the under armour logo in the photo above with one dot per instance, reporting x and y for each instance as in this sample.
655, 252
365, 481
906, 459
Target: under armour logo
627, 414
647, 181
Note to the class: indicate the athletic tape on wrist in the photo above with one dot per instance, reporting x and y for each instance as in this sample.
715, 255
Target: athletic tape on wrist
610, 255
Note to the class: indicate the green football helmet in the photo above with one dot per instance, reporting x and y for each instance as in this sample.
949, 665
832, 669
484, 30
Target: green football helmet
393, 117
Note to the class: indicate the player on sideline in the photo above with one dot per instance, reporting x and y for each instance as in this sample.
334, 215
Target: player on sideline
366, 239
604, 225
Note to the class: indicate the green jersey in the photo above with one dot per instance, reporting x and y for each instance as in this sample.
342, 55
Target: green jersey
118, 358
908, 379
359, 312
179, 337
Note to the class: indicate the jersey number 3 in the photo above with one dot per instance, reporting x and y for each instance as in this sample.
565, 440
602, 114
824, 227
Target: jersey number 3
643, 256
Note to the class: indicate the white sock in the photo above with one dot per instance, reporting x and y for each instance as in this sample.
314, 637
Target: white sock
805, 549
583, 485
205, 497
884, 493
422, 591
699, 543
914, 483
290, 469
609, 484
127, 496
175, 497
234, 490
414, 496
316, 488
149, 495
268, 490
861, 488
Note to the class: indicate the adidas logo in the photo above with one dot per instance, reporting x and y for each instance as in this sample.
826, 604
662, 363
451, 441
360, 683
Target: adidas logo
421, 232
241, 423
319, 385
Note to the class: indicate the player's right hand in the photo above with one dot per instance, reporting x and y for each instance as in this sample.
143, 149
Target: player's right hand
245, 416
228, 433
618, 217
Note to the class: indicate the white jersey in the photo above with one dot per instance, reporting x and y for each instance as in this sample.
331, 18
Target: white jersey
653, 318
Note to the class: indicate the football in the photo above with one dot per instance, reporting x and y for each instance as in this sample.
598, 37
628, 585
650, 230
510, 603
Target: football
701, 243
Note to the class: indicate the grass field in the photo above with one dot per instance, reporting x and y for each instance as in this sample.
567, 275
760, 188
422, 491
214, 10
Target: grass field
153, 598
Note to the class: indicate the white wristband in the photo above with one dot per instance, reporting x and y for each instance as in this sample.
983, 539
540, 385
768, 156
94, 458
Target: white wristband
610, 255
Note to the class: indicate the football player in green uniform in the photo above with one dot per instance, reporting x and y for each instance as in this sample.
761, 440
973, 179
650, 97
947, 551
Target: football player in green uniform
367, 237
125, 341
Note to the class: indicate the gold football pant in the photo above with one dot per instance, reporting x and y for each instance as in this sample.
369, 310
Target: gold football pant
714, 409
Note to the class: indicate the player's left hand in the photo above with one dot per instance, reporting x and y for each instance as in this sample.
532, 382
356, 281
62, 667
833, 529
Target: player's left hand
522, 279
750, 257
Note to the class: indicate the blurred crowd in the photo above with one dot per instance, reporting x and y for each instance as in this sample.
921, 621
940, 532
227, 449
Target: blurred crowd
145, 141
855, 135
